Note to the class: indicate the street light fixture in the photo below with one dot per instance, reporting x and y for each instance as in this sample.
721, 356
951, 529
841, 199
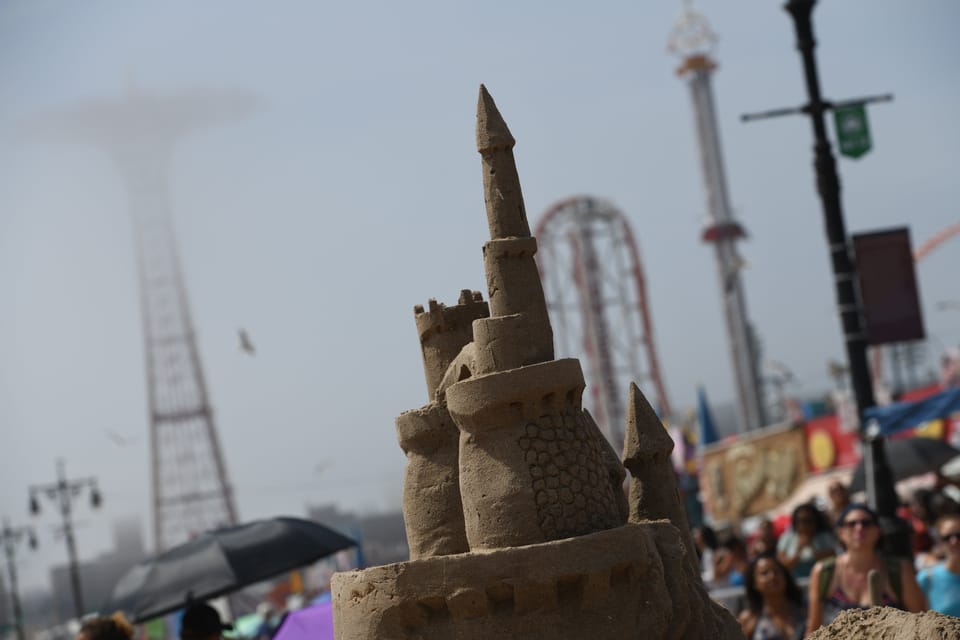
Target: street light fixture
9, 537
63, 491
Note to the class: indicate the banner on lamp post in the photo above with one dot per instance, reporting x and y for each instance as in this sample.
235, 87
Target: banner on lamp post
853, 130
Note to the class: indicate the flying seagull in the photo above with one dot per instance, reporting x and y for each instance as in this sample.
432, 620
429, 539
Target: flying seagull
245, 345
118, 439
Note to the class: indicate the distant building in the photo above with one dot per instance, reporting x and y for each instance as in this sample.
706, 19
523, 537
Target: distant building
99, 576
382, 536
38, 613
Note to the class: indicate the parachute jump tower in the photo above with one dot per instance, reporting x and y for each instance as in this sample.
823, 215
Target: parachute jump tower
191, 490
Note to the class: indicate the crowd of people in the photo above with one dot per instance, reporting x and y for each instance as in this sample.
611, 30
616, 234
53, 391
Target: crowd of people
830, 558
785, 583
200, 622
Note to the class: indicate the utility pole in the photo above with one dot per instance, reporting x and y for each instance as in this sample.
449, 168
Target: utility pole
879, 479
9, 537
62, 492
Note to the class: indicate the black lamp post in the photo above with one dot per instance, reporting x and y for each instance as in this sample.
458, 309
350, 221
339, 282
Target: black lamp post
879, 479
881, 493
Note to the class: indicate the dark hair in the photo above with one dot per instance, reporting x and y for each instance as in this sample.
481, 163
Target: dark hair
734, 544
755, 598
200, 620
941, 505
856, 506
819, 521
859, 506
924, 498
114, 627
709, 537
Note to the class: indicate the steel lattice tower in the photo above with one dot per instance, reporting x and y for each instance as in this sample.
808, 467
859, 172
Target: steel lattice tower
586, 242
692, 39
190, 488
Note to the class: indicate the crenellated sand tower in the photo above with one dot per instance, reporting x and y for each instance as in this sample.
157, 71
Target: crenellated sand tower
513, 500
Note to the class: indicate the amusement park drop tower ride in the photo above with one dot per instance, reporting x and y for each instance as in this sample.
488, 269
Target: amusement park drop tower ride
692, 39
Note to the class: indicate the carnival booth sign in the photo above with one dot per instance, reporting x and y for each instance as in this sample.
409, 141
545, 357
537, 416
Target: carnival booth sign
753, 474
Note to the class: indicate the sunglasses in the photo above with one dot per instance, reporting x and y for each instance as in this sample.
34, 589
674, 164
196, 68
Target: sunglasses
952, 537
852, 524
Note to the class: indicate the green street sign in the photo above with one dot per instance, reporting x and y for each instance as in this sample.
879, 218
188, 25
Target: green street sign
853, 131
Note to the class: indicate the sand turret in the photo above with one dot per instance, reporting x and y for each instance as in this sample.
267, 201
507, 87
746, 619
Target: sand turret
653, 487
432, 510
444, 331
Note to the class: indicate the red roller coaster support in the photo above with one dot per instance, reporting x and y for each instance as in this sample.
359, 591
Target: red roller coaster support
596, 294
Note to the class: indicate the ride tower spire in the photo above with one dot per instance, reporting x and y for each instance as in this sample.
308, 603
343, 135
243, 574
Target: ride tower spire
693, 40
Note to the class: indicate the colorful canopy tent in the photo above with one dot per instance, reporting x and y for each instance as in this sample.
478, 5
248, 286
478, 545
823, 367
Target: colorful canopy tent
904, 415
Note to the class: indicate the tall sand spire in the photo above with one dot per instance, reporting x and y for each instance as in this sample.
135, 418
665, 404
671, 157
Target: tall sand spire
513, 281
506, 214
492, 130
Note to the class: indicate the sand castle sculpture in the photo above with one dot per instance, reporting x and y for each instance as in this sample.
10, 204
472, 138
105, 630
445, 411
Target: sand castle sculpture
516, 518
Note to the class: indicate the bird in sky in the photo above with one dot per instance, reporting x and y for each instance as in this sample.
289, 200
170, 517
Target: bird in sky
245, 345
322, 466
118, 439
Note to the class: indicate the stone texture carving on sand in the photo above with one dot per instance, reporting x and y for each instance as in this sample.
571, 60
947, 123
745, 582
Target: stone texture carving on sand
513, 500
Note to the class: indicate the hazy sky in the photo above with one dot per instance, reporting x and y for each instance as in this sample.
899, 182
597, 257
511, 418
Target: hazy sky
355, 193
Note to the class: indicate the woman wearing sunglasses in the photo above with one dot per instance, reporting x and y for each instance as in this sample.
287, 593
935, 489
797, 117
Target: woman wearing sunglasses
941, 583
842, 583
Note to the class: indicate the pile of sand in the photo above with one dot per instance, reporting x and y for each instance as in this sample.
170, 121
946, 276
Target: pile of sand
887, 623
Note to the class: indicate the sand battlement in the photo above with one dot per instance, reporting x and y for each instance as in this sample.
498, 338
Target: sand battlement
444, 331
611, 584
440, 318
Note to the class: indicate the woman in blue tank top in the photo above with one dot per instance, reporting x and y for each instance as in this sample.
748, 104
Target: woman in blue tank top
941, 583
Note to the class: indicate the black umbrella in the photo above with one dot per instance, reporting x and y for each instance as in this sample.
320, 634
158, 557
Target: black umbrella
219, 562
909, 457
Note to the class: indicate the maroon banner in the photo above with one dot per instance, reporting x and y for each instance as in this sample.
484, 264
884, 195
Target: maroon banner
888, 286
